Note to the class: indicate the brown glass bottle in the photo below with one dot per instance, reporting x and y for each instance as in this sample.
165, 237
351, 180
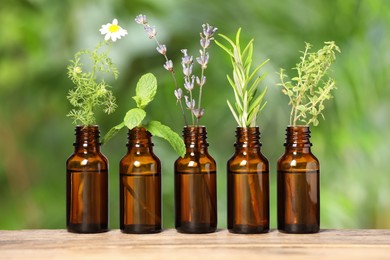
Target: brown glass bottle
87, 184
140, 185
195, 185
298, 184
248, 185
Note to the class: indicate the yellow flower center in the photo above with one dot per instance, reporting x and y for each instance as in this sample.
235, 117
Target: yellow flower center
77, 70
113, 28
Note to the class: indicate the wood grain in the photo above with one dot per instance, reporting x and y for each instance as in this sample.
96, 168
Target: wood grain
328, 244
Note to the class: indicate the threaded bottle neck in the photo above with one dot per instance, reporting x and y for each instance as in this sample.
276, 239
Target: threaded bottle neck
247, 137
195, 136
87, 137
139, 137
298, 136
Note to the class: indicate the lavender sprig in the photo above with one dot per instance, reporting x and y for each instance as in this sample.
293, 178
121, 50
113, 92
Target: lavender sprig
206, 36
187, 64
205, 39
162, 49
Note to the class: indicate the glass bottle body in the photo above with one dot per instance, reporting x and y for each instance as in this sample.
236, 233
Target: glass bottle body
298, 184
195, 185
248, 185
140, 185
87, 184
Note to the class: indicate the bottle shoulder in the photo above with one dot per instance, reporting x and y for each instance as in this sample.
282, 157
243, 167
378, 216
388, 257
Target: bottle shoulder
87, 161
256, 163
140, 162
298, 160
190, 162
191, 156
142, 157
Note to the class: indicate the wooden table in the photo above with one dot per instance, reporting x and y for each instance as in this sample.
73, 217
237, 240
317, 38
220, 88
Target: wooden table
328, 244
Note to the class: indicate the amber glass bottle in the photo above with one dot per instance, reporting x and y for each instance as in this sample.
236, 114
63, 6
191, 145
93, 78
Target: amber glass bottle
140, 185
87, 184
248, 185
298, 184
195, 185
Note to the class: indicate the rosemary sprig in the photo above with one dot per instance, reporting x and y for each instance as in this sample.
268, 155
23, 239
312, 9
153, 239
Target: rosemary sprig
248, 104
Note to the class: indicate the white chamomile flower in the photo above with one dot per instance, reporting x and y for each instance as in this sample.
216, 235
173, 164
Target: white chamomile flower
112, 31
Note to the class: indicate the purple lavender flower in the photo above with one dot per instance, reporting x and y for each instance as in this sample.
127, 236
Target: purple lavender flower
209, 30
201, 82
162, 49
187, 63
150, 30
189, 85
178, 93
203, 59
187, 70
204, 42
187, 60
168, 65
198, 112
190, 103
141, 19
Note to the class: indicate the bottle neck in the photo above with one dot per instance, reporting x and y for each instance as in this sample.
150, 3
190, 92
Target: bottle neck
195, 137
139, 137
298, 137
87, 138
247, 139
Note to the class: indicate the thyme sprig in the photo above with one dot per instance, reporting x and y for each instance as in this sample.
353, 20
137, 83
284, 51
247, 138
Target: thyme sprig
310, 88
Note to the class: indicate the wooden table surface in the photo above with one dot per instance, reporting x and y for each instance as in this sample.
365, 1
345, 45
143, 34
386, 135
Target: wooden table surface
328, 244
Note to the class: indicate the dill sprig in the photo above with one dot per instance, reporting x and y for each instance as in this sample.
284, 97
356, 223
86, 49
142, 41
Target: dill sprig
91, 92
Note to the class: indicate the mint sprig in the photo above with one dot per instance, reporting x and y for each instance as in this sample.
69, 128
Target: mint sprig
163, 131
146, 90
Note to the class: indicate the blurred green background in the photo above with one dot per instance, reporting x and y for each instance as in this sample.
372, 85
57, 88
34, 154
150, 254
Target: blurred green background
39, 37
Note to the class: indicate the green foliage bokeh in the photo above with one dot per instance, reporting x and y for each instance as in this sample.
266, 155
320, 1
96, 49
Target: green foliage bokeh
38, 38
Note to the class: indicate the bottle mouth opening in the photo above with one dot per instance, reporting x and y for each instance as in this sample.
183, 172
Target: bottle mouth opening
298, 126
197, 129
250, 127
194, 126
86, 126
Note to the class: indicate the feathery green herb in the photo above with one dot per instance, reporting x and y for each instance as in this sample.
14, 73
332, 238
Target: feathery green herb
310, 89
89, 92
244, 83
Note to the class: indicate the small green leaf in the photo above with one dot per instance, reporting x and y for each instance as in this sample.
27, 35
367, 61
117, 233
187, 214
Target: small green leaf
163, 131
257, 102
113, 131
146, 90
138, 101
256, 70
313, 111
134, 117
224, 47
233, 112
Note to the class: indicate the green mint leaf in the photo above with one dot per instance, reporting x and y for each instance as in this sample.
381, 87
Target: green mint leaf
146, 90
113, 131
134, 117
163, 131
